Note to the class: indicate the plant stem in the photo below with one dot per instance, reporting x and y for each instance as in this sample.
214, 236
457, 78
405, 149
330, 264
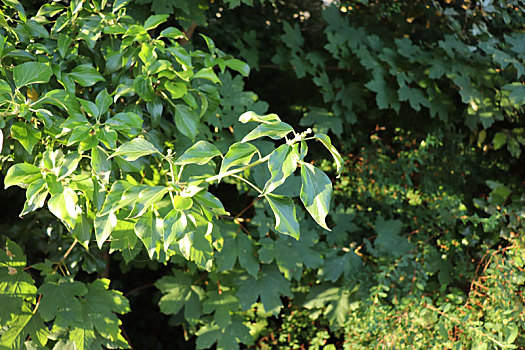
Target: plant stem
179, 175
248, 182
235, 171
245, 209
66, 254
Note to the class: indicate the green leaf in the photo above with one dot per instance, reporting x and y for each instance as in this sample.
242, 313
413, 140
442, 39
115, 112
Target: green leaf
154, 21
290, 255
316, 192
18, 7
246, 251
385, 95
499, 140
196, 245
334, 301
182, 203
388, 240
26, 134
176, 291
88, 143
89, 107
83, 229
325, 140
155, 109
150, 230
5, 88
292, 36
101, 304
104, 225
209, 43
60, 298
182, 56
103, 101
22, 325
239, 154
208, 74
517, 93
221, 305
236, 333
147, 54
225, 259
64, 206
36, 29
172, 33
63, 43
16, 285
79, 134
275, 131
284, 211
148, 197
239, 66
69, 164
334, 266
209, 202
36, 195
175, 224
227, 338
200, 153
83, 335
186, 120
414, 96
118, 4
76, 119
114, 198
254, 117
31, 73
21, 174
144, 87
100, 164
282, 163
86, 75
135, 149
125, 121
269, 287
177, 89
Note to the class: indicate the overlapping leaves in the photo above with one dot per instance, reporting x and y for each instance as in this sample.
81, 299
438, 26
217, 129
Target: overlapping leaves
115, 143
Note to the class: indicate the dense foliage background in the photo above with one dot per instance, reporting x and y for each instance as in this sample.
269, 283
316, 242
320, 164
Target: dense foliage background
424, 100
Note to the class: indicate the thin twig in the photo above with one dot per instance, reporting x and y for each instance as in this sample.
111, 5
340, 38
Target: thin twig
139, 288
248, 207
65, 255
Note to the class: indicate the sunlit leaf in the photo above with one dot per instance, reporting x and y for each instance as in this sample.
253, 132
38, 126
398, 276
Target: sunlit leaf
316, 192
135, 149
200, 153
285, 217
31, 73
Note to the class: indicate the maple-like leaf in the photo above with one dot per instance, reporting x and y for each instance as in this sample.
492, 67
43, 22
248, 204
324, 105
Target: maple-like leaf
60, 296
269, 287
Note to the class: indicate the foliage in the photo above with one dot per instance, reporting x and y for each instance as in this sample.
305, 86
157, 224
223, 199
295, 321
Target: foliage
132, 132
102, 133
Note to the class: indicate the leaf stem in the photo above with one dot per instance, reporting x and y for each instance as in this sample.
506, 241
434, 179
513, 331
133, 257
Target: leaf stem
235, 171
37, 304
245, 209
65, 255
248, 182
179, 175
